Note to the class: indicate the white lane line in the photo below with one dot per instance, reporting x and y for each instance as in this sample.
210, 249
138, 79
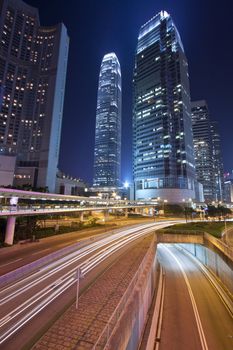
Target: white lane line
218, 289
11, 262
71, 259
66, 285
97, 259
93, 261
41, 251
194, 305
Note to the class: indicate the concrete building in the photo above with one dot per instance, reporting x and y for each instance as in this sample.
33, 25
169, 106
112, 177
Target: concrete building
7, 169
107, 155
33, 62
203, 148
208, 158
228, 191
69, 185
217, 162
163, 155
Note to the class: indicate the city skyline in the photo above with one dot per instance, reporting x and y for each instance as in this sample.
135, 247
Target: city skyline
205, 62
83, 69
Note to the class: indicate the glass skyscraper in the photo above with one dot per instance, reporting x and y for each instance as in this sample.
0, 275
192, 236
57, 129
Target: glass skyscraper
107, 156
203, 148
163, 155
208, 155
218, 162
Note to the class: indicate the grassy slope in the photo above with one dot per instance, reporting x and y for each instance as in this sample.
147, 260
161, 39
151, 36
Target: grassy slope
214, 228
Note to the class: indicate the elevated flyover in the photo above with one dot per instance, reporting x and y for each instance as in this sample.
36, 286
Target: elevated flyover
16, 203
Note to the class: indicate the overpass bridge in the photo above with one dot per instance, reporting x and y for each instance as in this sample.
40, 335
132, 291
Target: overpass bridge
16, 203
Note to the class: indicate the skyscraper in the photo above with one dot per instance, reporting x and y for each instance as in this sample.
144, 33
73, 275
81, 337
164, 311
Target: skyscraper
203, 148
33, 61
107, 156
217, 162
208, 156
163, 156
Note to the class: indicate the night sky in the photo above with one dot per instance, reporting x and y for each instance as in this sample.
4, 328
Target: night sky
97, 27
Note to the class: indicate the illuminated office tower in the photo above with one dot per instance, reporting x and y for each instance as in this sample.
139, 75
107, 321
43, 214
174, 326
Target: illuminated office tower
203, 148
33, 61
217, 162
163, 155
107, 154
208, 155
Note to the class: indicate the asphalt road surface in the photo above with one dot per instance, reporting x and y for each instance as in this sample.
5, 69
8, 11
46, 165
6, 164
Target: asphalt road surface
35, 300
194, 316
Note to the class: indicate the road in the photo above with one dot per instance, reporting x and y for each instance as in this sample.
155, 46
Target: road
31, 302
194, 316
21, 254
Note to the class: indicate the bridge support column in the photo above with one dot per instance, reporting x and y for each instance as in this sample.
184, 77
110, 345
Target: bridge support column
81, 216
106, 215
126, 213
137, 210
10, 230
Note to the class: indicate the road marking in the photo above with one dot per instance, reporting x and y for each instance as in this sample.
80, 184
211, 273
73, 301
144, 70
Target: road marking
11, 262
41, 251
194, 305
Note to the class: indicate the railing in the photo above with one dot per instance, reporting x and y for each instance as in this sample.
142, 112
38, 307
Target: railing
223, 247
36, 210
108, 329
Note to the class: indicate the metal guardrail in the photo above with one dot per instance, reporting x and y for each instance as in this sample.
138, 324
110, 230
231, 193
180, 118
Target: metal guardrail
30, 210
104, 337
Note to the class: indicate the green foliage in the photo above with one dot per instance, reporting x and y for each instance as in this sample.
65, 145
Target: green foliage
218, 211
213, 228
172, 209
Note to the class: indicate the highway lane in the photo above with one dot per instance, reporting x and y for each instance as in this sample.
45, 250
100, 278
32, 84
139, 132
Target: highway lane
194, 316
21, 254
22, 301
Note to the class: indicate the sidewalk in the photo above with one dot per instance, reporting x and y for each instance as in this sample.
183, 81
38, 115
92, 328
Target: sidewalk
80, 329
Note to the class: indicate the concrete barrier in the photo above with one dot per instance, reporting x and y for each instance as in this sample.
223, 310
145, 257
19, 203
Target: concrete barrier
179, 238
214, 262
129, 327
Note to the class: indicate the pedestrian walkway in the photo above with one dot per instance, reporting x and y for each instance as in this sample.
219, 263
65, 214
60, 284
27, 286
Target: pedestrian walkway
80, 329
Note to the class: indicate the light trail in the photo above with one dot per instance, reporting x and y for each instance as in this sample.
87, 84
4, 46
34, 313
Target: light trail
45, 296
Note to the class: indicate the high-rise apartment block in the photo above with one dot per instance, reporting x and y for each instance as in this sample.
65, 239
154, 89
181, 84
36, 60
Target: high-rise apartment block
33, 62
209, 166
163, 155
107, 156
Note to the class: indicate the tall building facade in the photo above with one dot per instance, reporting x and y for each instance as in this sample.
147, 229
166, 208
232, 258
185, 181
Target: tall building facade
107, 154
163, 156
217, 162
33, 62
209, 166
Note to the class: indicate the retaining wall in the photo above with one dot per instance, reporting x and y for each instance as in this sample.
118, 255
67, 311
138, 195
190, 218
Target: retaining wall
129, 330
213, 261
